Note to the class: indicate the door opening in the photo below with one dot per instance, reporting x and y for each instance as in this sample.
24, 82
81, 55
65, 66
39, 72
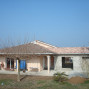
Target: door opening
10, 63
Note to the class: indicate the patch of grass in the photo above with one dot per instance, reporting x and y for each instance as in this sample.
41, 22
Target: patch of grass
44, 87
86, 82
5, 81
65, 83
40, 81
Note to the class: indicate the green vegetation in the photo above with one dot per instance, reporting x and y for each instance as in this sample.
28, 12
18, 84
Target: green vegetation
60, 77
5, 82
86, 82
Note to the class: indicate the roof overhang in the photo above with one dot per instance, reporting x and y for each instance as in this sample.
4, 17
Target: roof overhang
44, 53
73, 53
26, 53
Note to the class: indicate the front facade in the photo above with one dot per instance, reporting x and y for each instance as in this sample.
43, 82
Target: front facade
54, 58
33, 63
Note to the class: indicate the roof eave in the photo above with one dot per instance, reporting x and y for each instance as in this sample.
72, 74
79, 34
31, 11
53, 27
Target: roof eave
27, 53
73, 53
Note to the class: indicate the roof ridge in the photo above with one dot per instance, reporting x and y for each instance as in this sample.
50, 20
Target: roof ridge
37, 41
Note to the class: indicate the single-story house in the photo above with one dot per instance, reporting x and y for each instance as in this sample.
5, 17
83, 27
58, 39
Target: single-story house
39, 56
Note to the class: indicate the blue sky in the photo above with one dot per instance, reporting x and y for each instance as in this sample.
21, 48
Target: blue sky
64, 23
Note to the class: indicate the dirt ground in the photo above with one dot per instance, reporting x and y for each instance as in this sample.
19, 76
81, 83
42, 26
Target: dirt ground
23, 78
73, 80
76, 80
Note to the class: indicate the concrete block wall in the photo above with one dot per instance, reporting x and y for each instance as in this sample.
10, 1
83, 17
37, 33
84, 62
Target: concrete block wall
57, 63
76, 63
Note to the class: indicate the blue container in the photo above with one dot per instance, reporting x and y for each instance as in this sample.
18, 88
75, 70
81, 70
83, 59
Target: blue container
22, 64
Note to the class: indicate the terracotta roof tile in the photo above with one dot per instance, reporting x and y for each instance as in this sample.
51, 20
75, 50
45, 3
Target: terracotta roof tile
26, 48
35, 48
70, 50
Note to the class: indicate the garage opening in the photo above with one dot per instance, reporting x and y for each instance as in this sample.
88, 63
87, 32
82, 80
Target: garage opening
67, 62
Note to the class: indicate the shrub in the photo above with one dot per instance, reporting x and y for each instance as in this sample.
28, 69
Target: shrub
60, 77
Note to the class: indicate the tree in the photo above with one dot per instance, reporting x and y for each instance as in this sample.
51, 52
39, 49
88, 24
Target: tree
7, 47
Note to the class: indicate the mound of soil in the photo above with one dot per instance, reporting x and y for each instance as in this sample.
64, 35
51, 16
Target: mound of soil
76, 80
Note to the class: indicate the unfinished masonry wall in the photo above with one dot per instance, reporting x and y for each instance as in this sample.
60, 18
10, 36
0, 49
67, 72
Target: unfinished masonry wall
76, 63
57, 63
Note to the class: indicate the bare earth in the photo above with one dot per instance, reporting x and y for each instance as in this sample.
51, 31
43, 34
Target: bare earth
23, 78
77, 80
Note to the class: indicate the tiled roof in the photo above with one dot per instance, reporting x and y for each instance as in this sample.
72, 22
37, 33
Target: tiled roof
70, 50
37, 48
64, 50
26, 48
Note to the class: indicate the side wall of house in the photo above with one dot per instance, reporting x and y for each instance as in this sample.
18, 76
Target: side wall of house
2, 59
57, 63
77, 65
